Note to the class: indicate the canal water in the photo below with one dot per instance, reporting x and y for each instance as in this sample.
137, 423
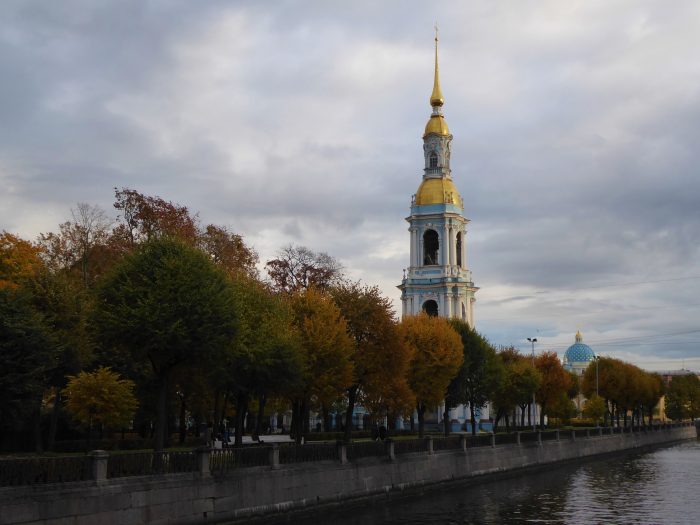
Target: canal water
658, 487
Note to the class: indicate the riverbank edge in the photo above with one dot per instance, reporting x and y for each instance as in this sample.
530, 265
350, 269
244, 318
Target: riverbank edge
302, 514
248, 494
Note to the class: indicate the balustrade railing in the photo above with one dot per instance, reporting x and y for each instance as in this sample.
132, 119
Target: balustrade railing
363, 449
148, 463
100, 465
222, 461
447, 443
410, 446
308, 452
30, 471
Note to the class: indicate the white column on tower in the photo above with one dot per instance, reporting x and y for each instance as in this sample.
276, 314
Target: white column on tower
453, 242
445, 252
412, 229
464, 248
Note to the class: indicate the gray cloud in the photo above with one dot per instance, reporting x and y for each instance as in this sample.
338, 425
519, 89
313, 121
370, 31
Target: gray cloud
576, 130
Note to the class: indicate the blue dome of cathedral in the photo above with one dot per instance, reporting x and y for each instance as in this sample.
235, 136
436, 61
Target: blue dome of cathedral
579, 352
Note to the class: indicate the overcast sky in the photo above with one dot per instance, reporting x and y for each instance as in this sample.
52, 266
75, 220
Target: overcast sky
576, 135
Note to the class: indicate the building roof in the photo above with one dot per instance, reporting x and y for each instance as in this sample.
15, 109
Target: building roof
579, 352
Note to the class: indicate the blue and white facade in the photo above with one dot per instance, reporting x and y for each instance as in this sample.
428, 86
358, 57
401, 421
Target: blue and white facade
437, 279
578, 356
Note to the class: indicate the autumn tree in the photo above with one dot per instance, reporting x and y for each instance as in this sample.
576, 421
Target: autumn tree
555, 382
438, 353
166, 304
479, 375
298, 268
326, 354
20, 260
143, 218
594, 408
228, 250
379, 356
100, 398
80, 244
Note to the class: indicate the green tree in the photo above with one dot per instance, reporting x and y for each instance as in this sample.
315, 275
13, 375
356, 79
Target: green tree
100, 398
266, 359
479, 376
594, 408
168, 305
683, 397
437, 356
27, 355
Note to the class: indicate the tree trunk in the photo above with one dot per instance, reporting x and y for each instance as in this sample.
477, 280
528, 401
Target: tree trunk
241, 409
38, 444
472, 418
542, 407
420, 408
522, 415
183, 423
507, 424
499, 415
446, 420
161, 413
352, 398
306, 413
261, 413
54, 418
217, 409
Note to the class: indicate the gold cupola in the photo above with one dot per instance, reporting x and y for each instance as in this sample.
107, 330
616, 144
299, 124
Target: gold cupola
437, 124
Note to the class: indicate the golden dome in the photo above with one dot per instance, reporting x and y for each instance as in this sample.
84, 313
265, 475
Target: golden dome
438, 125
438, 191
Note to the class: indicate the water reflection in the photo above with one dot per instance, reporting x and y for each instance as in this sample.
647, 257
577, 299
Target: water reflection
660, 487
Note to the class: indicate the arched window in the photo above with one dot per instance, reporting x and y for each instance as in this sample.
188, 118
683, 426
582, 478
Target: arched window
459, 249
431, 308
433, 160
464, 313
431, 244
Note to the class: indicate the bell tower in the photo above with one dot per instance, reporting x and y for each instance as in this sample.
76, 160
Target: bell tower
438, 280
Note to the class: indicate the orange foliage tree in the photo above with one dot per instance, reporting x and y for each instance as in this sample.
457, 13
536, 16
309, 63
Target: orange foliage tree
555, 382
20, 260
437, 355
326, 353
379, 358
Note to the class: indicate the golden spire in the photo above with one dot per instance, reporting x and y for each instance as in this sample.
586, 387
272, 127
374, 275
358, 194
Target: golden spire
436, 98
579, 337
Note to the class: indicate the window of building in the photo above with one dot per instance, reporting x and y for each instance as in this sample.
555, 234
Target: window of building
431, 244
459, 249
433, 160
431, 308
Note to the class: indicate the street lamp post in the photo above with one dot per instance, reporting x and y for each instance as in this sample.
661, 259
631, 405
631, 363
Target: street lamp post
533, 340
596, 376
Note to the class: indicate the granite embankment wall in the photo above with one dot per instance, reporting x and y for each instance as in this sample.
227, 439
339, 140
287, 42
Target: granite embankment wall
198, 497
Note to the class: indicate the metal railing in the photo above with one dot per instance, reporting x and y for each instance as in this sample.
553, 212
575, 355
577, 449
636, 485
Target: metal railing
99, 465
30, 471
148, 463
363, 449
447, 443
410, 446
308, 452
221, 461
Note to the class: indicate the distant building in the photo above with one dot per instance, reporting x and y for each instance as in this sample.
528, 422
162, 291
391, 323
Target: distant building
578, 356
